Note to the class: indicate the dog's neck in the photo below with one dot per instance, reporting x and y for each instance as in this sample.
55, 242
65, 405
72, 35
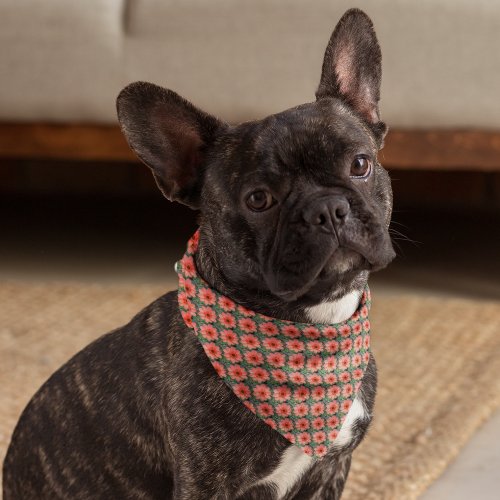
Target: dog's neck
335, 307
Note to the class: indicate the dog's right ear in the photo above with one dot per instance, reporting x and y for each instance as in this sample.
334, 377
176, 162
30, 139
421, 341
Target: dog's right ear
170, 136
352, 68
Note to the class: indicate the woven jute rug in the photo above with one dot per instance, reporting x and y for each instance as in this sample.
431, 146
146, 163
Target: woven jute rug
439, 369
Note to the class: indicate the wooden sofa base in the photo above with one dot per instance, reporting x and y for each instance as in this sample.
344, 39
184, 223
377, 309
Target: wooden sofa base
404, 149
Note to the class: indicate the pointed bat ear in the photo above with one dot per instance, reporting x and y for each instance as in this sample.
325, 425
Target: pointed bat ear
170, 136
352, 67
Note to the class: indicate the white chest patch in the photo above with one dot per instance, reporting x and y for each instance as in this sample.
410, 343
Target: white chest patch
357, 412
335, 311
294, 462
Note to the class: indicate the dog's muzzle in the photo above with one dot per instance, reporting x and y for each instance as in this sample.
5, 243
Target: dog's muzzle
318, 228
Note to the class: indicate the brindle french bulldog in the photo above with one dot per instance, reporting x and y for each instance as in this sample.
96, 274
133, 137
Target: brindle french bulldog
294, 211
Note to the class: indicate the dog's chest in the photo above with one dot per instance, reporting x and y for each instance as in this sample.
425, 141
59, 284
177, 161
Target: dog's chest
294, 462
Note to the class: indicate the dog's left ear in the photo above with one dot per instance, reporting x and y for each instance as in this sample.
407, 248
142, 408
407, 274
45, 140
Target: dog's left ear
170, 135
352, 68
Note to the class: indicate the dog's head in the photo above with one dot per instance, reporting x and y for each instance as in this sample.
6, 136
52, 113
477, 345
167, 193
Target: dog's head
295, 204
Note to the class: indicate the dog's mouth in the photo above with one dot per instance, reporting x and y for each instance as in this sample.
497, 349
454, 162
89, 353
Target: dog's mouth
328, 263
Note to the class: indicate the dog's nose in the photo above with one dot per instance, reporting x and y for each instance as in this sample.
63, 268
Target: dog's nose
327, 212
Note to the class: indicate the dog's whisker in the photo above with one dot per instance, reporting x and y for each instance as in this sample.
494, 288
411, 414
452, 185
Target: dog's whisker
398, 235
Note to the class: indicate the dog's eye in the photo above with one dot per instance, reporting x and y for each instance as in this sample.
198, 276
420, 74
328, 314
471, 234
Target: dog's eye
361, 167
258, 201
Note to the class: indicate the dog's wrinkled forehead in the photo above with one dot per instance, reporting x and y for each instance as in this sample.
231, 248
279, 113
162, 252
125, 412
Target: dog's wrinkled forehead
312, 141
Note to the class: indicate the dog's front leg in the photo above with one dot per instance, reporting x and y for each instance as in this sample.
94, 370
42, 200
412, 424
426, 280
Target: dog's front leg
190, 491
189, 484
333, 486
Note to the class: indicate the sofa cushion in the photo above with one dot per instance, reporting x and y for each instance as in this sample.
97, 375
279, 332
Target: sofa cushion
244, 59
60, 60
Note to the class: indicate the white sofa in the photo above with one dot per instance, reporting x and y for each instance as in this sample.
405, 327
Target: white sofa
66, 60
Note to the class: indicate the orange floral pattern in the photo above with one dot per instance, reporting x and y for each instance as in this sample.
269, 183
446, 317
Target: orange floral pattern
299, 378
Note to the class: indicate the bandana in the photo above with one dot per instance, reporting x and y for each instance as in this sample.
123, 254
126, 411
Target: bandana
299, 378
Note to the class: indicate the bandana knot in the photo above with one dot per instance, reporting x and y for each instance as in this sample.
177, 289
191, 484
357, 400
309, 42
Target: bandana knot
299, 378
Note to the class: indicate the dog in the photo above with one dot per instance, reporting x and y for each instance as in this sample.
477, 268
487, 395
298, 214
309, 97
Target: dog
294, 215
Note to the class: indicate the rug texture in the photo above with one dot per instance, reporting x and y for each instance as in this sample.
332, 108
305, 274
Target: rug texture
438, 360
